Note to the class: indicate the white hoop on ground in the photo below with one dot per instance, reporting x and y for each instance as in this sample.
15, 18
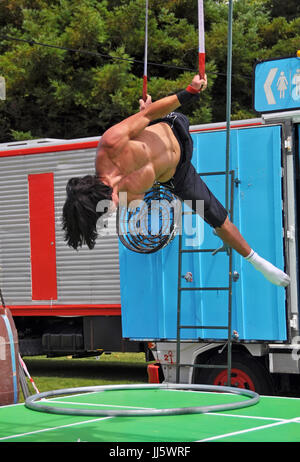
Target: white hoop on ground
33, 402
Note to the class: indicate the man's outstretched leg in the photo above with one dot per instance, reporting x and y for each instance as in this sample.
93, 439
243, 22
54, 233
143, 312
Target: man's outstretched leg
190, 187
229, 233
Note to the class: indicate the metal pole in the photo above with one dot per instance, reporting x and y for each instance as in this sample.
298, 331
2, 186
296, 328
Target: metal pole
228, 98
229, 340
228, 119
178, 339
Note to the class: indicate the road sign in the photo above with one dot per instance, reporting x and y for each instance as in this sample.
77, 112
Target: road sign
277, 85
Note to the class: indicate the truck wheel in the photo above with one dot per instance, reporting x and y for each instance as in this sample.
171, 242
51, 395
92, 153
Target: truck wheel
246, 372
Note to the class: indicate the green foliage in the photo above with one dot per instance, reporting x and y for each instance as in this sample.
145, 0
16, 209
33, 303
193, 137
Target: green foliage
22, 136
90, 74
289, 9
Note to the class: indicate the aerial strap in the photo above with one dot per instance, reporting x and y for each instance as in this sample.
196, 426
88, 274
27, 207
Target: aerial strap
145, 78
201, 38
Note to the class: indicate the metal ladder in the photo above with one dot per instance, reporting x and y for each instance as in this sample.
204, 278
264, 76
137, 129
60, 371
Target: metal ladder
228, 288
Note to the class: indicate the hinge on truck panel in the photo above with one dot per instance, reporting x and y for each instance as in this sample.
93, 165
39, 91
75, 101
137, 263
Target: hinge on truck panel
288, 144
290, 233
294, 322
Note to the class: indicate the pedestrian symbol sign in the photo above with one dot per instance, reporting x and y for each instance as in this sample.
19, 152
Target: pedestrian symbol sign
277, 85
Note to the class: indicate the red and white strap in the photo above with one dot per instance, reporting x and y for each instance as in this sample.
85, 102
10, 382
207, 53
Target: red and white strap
201, 36
145, 78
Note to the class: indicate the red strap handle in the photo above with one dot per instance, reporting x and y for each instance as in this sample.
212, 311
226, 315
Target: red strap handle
201, 36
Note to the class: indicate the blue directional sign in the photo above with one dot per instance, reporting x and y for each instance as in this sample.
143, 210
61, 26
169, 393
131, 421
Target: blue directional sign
277, 85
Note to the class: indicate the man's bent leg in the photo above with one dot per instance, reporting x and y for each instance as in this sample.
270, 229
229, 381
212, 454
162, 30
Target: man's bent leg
229, 233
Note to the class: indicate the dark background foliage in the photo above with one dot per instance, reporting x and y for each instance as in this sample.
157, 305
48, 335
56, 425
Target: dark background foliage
89, 76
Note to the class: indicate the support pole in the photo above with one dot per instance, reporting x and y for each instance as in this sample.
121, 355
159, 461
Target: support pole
228, 98
228, 120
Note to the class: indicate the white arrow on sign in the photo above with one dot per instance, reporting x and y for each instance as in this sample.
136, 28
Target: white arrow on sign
267, 85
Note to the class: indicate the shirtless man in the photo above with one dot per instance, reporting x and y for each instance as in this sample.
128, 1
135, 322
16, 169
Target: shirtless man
153, 145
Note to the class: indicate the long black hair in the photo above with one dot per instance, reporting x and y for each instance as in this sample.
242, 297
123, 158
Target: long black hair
79, 211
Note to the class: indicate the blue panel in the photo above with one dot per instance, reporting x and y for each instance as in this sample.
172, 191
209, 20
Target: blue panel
149, 282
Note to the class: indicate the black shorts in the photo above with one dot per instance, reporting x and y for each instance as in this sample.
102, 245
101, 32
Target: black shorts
186, 182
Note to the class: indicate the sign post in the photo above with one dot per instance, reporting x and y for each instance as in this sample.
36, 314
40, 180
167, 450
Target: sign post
276, 85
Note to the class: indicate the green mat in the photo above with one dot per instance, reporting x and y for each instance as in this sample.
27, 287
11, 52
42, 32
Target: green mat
273, 419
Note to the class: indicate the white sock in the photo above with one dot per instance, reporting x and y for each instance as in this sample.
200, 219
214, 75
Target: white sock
273, 274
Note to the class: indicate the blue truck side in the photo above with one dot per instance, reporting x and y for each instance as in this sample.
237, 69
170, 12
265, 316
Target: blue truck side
264, 159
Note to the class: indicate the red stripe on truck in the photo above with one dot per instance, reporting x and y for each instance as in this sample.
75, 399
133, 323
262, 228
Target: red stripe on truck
50, 148
66, 310
42, 236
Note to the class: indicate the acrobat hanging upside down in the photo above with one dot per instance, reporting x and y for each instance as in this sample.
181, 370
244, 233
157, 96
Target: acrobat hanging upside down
153, 145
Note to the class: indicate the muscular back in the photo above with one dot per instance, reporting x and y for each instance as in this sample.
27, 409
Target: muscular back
151, 156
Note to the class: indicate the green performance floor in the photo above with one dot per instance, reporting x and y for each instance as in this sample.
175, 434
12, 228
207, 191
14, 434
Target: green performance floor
272, 419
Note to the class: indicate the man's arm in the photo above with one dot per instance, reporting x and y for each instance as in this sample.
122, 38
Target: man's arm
116, 137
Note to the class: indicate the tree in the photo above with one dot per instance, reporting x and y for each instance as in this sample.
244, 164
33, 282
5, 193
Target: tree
289, 9
74, 67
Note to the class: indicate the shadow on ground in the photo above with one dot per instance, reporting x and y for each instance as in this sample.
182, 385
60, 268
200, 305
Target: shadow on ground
87, 369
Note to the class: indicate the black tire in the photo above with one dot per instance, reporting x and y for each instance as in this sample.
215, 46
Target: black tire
246, 372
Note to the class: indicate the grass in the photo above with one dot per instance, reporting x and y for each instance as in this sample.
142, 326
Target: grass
56, 373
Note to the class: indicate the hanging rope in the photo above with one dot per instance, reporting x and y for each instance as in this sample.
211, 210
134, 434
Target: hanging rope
145, 78
201, 36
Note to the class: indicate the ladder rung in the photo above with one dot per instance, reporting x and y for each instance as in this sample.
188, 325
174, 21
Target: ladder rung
203, 288
195, 213
198, 250
204, 327
219, 172
208, 366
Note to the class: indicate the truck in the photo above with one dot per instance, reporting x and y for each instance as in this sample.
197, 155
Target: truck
86, 302
264, 190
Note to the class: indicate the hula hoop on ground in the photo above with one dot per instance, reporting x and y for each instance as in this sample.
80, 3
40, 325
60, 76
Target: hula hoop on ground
33, 403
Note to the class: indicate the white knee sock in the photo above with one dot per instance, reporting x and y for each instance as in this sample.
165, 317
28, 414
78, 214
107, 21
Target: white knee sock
273, 274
